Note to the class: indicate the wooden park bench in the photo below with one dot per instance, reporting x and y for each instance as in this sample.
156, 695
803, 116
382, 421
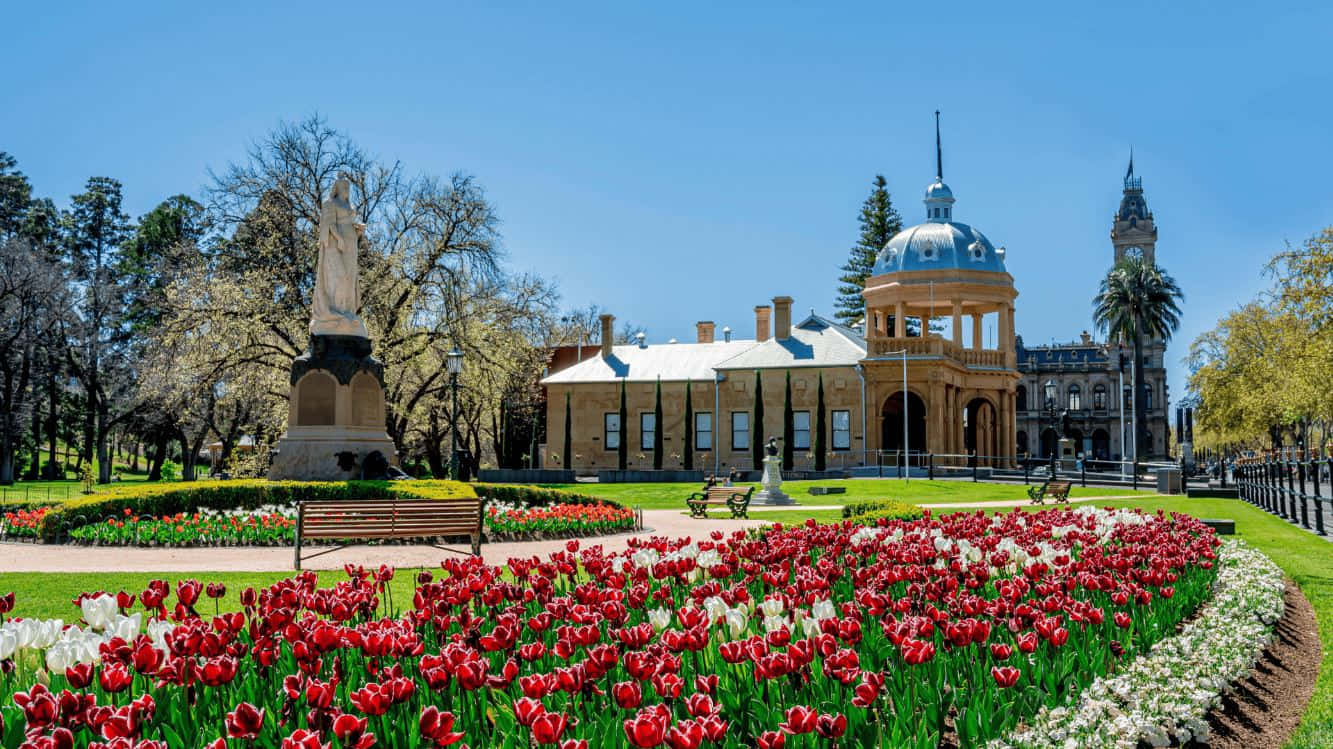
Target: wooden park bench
733, 498
353, 521
1056, 490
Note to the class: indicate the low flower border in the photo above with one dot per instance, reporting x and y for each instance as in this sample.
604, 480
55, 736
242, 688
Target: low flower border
1166, 693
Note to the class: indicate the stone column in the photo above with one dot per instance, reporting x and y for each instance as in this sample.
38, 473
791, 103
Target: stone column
900, 321
976, 332
957, 323
1006, 341
1005, 435
950, 417
935, 439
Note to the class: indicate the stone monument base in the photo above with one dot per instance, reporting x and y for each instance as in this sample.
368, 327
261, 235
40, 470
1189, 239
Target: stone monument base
321, 455
336, 415
772, 493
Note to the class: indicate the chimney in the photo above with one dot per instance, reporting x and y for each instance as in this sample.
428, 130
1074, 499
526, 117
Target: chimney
705, 330
782, 317
761, 314
608, 334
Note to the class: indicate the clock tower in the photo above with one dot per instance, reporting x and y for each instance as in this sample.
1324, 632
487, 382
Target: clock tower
1133, 231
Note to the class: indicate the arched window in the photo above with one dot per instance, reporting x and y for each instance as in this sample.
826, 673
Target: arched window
1147, 396
1021, 398
1075, 398
1099, 397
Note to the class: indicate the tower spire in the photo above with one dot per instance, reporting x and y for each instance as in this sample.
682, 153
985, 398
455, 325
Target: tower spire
939, 154
1130, 173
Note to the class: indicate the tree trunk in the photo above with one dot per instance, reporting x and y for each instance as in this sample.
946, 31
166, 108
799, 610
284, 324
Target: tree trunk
103, 454
35, 468
1140, 415
51, 471
159, 456
134, 457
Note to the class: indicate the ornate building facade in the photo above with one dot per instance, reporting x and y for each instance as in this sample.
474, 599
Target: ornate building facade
1081, 384
884, 391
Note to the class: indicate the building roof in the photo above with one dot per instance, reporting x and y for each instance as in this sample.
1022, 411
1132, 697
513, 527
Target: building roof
939, 244
815, 342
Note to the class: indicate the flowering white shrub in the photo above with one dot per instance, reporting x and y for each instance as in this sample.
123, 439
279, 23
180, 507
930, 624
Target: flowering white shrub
1166, 693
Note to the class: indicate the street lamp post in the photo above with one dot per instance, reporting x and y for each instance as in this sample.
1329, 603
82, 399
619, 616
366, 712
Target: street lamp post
1053, 419
454, 362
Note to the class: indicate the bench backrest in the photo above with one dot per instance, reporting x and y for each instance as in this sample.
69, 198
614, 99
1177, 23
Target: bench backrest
1058, 487
390, 518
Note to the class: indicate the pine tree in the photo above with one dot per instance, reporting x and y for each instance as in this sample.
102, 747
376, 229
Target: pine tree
657, 427
879, 222
687, 452
820, 449
569, 437
757, 428
622, 451
788, 429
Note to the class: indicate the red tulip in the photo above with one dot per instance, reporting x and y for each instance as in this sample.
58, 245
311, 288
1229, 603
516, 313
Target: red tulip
79, 675
1001, 651
547, 727
687, 734
648, 727
303, 739
438, 726
831, 726
527, 710
627, 694
245, 722
800, 719
1005, 676
1123, 620
772, 740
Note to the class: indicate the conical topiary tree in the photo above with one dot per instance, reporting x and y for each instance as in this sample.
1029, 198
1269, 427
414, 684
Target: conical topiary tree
622, 451
757, 428
569, 437
788, 429
818, 442
687, 452
657, 427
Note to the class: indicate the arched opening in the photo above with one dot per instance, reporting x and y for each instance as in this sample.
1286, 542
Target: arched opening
891, 425
1021, 398
1076, 437
980, 435
1101, 444
1022, 442
315, 400
1099, 397
367, 401
1050, 443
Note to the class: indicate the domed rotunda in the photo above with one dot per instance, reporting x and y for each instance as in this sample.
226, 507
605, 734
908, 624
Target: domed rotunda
935, 276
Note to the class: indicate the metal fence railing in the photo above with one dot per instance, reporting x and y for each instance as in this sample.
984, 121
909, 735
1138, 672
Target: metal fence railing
1291, 484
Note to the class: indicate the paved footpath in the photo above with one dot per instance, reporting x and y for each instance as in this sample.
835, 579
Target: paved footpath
27, 557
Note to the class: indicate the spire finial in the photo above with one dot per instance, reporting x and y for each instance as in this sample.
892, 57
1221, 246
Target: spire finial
939, 154
1130, 174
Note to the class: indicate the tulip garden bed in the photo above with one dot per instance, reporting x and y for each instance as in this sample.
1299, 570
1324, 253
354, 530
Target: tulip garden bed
1017, 629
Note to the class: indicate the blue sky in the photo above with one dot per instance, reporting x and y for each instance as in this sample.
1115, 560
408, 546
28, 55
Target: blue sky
676, 162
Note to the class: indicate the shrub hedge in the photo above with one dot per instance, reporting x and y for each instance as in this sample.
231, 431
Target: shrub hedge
247, 494
871, 509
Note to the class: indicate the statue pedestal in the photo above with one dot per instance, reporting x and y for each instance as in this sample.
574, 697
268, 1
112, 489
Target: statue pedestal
772, 493
335, 418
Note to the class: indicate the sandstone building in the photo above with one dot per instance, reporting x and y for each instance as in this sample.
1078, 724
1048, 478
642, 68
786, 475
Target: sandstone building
1081, 384
959, 398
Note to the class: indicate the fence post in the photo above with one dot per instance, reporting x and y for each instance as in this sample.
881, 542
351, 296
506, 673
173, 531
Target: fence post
1083, 472
1305, 500
930, 465
976, 460
1318, 511
1136, 474
1027, 471
1291, 486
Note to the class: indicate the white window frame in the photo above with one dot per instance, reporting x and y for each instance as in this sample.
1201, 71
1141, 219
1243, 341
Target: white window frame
847, 432
699, 432
607, 431
745, 431
797, 431
647, 434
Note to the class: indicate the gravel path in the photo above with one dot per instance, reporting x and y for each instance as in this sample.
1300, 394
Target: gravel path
27, 557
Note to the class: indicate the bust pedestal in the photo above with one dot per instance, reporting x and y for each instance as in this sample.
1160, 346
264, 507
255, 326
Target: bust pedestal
772, 493
335, 418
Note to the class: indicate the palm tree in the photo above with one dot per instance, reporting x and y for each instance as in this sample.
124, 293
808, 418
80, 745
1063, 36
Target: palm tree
1137, 300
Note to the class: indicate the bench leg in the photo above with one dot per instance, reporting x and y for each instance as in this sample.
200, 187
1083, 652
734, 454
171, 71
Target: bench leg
476, 544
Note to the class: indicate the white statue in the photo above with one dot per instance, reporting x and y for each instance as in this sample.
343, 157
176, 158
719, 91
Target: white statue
337, 298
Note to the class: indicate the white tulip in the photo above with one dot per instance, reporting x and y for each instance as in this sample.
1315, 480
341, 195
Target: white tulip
772, 606
737, 622
659, 618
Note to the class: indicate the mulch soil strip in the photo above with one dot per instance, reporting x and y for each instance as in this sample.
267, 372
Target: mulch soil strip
1265, 708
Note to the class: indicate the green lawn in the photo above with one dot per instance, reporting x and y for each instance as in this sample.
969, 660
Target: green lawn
54, 492
672, 496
